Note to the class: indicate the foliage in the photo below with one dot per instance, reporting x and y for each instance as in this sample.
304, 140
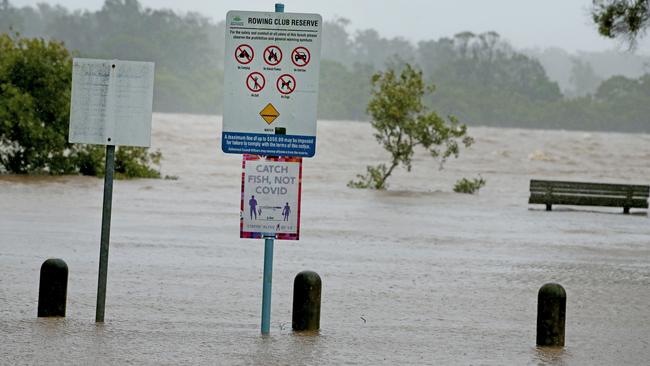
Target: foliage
583, 78
626, 19
136, 162
402, 123
468, 186
344, 93
481, 78
187, 49
35, 81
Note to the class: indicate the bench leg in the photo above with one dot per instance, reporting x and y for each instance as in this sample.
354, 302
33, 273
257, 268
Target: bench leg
548, 207
626, 210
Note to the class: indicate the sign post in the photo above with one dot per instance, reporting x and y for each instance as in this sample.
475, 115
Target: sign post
111, 104
271, 76
106, 233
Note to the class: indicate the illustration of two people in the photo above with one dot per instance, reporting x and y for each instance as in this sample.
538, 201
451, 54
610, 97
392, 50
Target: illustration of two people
252, 203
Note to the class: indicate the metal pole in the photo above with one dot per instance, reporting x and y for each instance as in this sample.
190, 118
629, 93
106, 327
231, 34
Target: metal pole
106, 233
267, 285
268, 260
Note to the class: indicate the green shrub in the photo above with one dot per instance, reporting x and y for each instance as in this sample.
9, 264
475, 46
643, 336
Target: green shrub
469, 186
35, 83
402, 123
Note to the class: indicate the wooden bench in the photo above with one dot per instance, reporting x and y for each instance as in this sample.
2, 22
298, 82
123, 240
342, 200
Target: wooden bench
550, 193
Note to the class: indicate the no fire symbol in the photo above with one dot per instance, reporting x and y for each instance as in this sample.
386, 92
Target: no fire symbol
286, 84
244, 54
255, 82
300, 56
272, 55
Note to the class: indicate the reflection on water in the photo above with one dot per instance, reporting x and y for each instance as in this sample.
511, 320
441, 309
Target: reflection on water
414, 275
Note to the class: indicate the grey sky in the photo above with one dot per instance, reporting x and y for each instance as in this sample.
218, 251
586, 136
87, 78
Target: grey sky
525, 23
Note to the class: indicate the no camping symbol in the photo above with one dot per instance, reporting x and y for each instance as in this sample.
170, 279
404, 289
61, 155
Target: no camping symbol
255, 82
244, 54
286, 84
300, 56
272, 55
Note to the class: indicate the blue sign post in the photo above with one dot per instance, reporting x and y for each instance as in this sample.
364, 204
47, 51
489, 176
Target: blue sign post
268, 261
271, 75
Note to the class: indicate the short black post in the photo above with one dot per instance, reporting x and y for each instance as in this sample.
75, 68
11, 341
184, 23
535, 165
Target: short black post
551, 315
53, 288
306, 301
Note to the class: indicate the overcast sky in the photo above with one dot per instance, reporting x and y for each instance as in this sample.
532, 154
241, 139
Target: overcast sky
525, 23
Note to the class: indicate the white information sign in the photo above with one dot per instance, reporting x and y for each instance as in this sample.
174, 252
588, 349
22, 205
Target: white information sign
272, 63
111, 102
270, 205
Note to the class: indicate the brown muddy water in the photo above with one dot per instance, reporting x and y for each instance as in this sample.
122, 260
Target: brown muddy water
417, 275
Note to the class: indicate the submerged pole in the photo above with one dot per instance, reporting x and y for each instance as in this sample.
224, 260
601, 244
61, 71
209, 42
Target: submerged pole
106, 233
306, 301
551, 315
267, 285
53, 288
268, 261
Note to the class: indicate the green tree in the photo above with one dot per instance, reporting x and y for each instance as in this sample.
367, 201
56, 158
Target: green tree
402, 123
187, 48
35, 78
35, 81
583, 77
625, 19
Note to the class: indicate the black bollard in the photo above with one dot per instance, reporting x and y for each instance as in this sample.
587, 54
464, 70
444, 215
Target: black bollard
53, 288
551, 315
306, 301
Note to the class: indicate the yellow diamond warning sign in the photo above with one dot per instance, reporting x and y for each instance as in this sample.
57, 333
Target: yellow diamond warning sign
269, 113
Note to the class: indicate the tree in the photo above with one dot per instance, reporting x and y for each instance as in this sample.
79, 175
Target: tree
583, 77
625, 19
35, 78
402, 123
35, 82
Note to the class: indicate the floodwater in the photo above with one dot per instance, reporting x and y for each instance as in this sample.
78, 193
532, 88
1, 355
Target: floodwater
416, 275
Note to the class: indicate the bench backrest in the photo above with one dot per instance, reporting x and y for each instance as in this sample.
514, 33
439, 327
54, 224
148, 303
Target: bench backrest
550, 187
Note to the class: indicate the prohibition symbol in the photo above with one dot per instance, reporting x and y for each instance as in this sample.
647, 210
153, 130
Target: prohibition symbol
255, 82
272, 55
286, 84
244, 54
300, 56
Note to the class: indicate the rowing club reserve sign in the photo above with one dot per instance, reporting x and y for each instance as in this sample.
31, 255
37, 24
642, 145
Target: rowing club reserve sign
272, 62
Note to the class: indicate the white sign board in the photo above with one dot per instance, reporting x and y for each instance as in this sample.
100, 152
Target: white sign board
270, 205
272, 64
111, 102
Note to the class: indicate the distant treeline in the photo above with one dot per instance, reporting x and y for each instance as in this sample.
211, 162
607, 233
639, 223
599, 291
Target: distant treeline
479, 78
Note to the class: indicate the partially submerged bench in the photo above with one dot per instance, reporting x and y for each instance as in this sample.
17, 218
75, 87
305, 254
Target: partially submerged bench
548, 192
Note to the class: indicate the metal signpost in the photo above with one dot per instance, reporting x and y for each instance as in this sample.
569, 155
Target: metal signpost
271, 75
111, 105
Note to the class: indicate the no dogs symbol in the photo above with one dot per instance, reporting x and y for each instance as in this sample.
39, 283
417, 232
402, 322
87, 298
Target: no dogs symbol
286, 84
255, 82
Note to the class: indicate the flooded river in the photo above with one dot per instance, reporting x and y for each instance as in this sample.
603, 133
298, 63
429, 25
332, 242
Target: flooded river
416, 275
